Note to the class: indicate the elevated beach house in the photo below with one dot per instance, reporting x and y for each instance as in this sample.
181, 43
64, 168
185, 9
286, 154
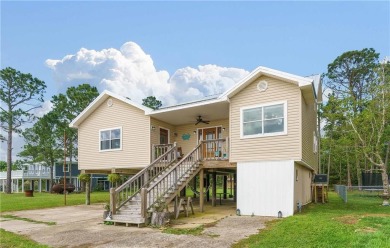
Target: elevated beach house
263, 131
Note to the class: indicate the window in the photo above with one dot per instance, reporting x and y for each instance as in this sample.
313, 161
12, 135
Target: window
263, 120
111, 139
65, 168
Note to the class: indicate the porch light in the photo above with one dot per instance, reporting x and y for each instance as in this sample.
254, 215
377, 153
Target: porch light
152, 128
280, 214
194, 132
223, 129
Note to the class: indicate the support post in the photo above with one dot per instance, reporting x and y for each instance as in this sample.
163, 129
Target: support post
224, 187
207, 185
143, 202
175, 206
112, 200
214, 196
194, 196
201, 190
235, 187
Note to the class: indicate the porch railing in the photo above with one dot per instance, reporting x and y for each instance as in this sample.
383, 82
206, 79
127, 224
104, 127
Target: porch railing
159, 149
132, 187
216, 149
167, 184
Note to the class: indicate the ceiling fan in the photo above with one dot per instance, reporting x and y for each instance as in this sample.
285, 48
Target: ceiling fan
199, 120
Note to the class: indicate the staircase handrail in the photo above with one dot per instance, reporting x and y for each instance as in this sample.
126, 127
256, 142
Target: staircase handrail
143, 177
189, 157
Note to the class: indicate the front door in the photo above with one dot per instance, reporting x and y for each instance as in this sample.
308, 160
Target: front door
164, 136
209, 147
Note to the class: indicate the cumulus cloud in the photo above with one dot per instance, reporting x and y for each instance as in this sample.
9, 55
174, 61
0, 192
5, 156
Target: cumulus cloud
191, 84
130, 72
46, 107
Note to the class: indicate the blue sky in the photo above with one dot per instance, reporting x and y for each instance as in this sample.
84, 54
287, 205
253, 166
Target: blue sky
202, 46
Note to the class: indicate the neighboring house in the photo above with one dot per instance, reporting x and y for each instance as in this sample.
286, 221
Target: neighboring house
33, 172
98, 182
263, 130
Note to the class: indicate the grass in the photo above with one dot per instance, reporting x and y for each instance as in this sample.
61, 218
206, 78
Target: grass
184, 231
362, 222
9, 239
9, 216
17, 201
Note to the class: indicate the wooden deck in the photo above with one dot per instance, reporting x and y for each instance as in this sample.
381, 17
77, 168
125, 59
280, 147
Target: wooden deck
218, 164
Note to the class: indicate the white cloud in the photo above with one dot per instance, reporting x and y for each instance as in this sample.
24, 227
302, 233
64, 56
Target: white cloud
191, 84
46, 107
130, 72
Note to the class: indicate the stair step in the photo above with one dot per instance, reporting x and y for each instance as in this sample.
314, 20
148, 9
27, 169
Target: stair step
127, 219
125, 209
129, 213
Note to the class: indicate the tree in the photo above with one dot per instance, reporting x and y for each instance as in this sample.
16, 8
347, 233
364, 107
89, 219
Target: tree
350, 77
151, 102
67, 107
21, 93
373, 123
3, 166
41, 142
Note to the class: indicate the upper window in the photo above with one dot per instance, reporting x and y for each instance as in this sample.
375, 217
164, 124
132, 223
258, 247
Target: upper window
263, 120
111, 139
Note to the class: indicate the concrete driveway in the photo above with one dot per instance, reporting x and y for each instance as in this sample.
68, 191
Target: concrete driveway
82, 226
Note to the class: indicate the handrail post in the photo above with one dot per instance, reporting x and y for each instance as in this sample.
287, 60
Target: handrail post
112, 201
143, 202
153, 152
174, 151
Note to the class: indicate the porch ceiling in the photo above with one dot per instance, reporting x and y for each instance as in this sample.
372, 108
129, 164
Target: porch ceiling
180, 115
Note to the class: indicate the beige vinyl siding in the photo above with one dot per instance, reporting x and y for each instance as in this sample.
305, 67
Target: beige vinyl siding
302, 187
155, 135
280, 147
189, 145
309, 121
135, 152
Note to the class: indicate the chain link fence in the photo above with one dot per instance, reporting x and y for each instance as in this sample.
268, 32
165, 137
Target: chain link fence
363, 191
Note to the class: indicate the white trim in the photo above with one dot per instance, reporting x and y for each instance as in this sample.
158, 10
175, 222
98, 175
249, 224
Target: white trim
202, 128
261, 70
285, 116
169, 133
121, 140
185, 106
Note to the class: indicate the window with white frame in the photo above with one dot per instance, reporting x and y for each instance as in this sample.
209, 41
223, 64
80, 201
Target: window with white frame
65, 168
263, 120
111, 139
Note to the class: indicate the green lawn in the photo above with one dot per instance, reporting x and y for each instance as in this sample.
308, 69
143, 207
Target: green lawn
17, 201
9, 239
362, 222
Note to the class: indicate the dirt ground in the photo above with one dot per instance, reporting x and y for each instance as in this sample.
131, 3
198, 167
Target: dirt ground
82, 226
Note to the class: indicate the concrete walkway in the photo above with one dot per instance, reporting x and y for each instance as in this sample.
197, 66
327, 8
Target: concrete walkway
82, 226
